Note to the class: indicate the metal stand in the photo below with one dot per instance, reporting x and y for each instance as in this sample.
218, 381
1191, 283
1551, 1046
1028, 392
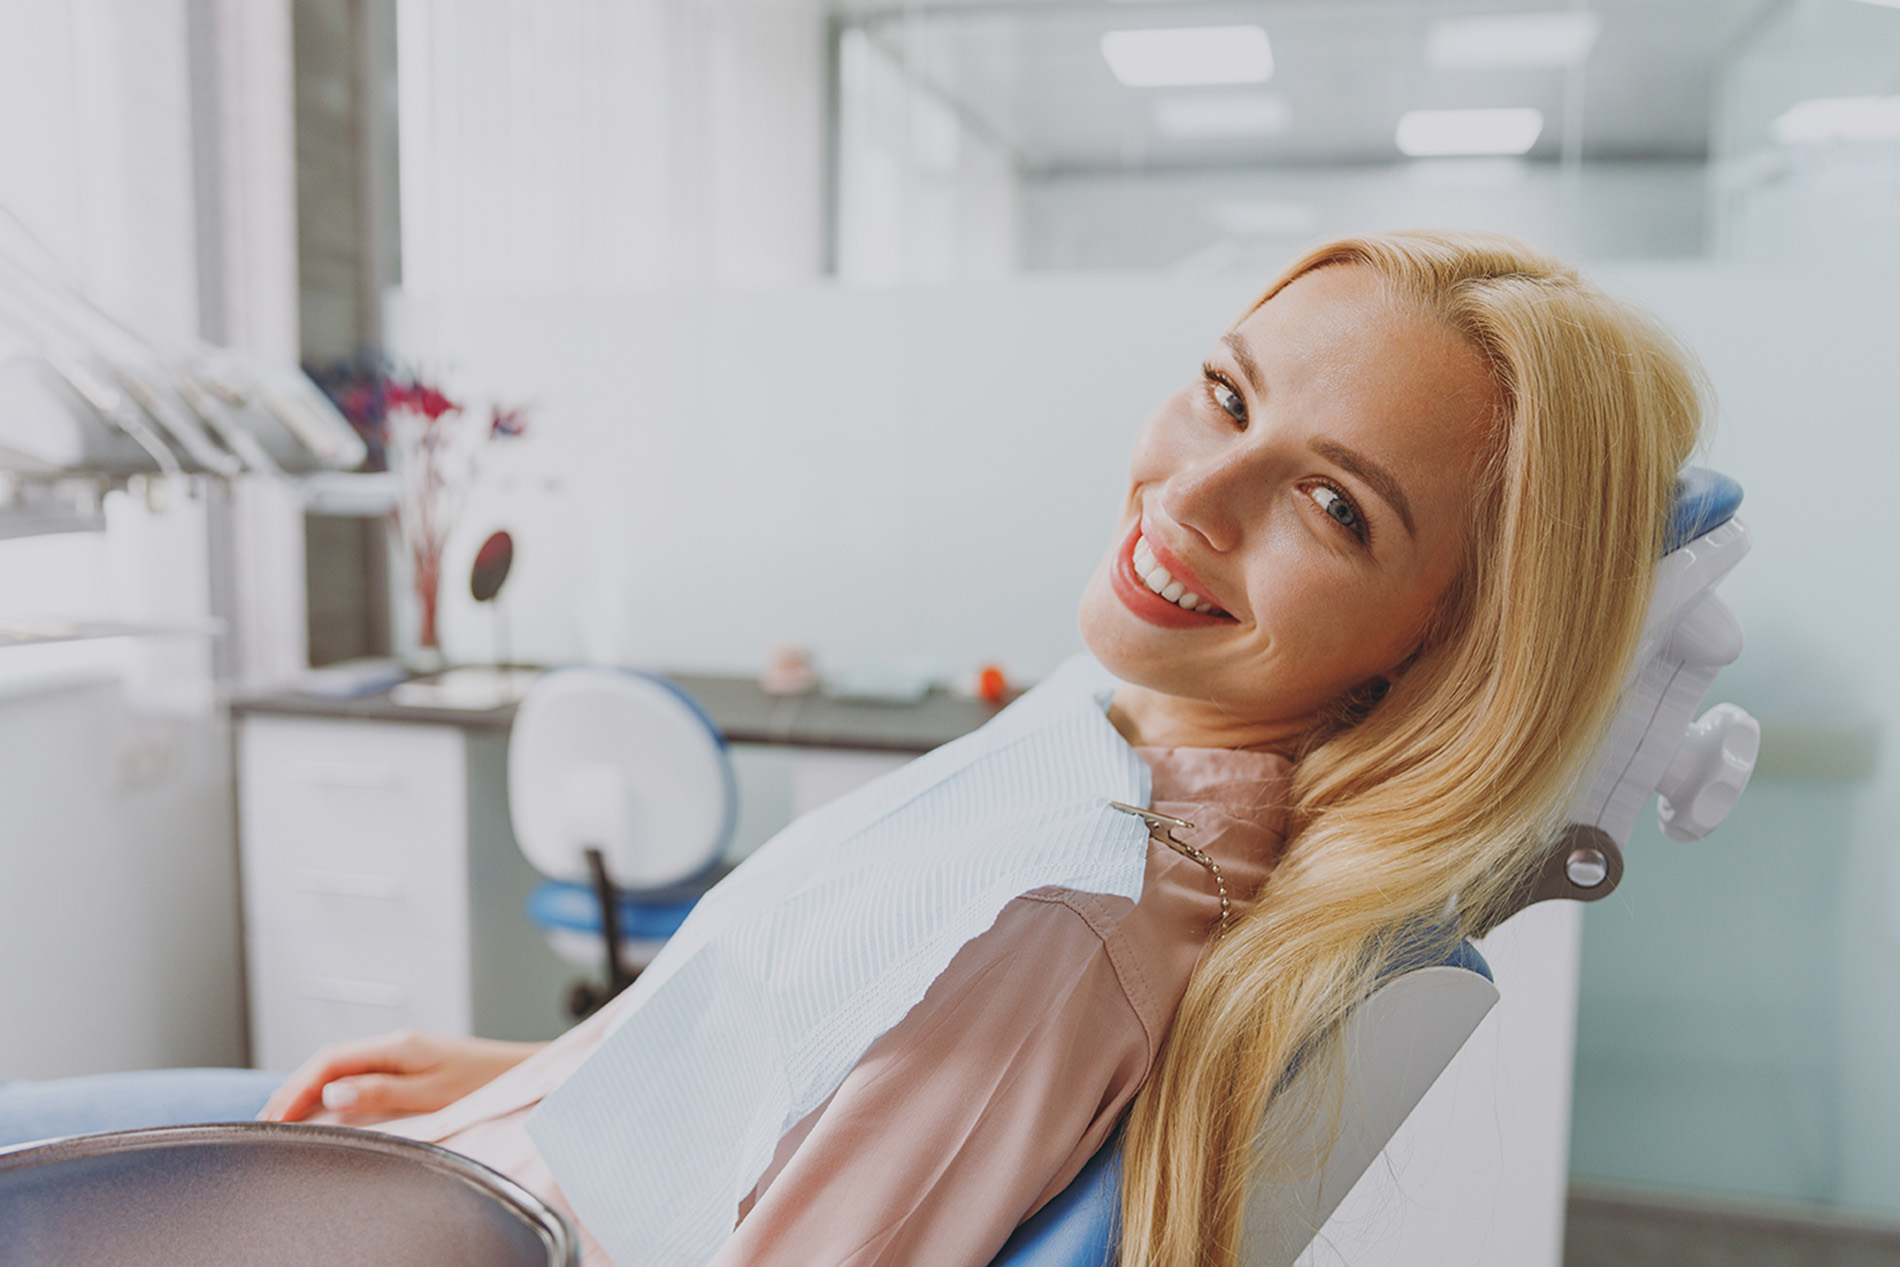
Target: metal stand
586, 998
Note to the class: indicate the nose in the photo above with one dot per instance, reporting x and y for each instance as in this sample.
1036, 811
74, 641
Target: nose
1215, 495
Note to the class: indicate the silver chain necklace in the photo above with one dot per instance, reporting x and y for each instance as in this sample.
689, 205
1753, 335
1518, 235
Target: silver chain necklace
1162, 827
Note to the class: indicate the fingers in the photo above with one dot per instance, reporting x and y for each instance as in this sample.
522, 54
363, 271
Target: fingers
404, 1072
304, 1090
387, 1093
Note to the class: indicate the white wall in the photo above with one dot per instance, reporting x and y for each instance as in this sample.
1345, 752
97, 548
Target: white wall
600, 145
867, 473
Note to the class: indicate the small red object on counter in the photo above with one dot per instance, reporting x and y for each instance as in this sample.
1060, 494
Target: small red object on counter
991, 685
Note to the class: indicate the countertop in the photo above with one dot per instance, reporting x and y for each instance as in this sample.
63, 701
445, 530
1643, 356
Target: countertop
741, 711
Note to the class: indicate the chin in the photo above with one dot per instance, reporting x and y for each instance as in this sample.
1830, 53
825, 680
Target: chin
1124, 645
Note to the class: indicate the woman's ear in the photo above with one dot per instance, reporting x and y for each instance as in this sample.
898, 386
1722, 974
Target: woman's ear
1355, 704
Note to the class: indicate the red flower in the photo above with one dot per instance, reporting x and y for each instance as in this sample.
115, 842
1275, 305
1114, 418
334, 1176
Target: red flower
420, 398
433, 404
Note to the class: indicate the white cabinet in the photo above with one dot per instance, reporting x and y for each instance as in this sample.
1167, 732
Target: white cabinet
382, 887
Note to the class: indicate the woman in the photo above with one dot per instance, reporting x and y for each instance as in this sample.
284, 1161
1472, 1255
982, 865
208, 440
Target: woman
1381, 570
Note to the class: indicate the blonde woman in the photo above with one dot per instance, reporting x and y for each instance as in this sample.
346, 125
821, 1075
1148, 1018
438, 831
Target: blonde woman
1380, 573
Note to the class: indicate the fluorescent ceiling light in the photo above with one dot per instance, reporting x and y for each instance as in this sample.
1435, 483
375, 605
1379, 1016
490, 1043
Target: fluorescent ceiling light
1433, 133
1839, 119
1225, 114
1179, 57
1561, 38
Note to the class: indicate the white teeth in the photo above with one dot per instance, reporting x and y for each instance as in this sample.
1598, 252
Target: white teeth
1162, 582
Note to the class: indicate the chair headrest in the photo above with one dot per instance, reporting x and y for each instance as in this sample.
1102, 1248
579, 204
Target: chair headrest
1705, 500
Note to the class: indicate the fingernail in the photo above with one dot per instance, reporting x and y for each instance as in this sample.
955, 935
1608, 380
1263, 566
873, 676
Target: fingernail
338, 1095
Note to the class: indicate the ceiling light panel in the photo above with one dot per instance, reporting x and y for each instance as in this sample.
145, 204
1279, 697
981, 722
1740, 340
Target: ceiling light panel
1839, 119
1190, 56
1440, 133
1218, 115
1503, 40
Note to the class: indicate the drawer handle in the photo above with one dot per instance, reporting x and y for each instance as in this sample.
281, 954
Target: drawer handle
343, 990
350, 884
343, 774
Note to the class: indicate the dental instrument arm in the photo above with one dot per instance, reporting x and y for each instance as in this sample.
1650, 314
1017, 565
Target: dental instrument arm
396, 1073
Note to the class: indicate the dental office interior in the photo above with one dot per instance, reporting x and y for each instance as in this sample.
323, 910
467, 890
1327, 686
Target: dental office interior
365, 360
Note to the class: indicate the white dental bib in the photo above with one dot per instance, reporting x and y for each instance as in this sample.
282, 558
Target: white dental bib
784, 974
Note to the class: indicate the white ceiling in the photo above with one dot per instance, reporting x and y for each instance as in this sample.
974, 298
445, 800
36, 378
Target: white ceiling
1030, 73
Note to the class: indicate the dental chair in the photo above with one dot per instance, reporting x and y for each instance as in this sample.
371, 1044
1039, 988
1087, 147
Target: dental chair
621, 793
1398, 1042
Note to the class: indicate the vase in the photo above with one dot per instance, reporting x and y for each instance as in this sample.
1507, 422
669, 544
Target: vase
428, 591
421, 643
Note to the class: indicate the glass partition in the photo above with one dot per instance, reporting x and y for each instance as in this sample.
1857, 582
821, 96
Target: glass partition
977, 138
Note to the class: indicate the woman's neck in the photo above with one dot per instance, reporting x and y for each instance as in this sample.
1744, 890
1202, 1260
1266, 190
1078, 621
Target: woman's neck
1150, 719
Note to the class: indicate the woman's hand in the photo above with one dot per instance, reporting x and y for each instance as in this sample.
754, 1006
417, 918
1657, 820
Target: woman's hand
402, 1072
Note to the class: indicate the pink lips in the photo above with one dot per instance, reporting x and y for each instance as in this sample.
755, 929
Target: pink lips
1150, 606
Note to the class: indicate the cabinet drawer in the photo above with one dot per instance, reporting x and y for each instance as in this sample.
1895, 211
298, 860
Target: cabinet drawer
306, 992
394, 897
355, 828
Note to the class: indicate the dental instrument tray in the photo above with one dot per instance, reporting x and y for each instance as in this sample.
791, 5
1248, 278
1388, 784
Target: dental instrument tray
245, 1193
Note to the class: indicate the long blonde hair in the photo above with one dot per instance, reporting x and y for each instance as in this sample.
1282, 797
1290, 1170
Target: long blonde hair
1446, 793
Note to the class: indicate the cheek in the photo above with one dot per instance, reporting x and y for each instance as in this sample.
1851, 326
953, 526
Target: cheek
1342, 631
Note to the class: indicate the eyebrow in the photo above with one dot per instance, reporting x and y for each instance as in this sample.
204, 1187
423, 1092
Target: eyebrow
1377, 477
1248, 366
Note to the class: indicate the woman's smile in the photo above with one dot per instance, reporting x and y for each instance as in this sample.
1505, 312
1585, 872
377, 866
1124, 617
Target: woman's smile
1157, 587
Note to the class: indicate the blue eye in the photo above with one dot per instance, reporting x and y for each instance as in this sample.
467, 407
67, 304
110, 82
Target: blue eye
1340, 510
1223, 394
1227, 398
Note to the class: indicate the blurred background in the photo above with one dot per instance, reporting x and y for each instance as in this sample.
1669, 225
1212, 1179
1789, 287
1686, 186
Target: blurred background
781, 334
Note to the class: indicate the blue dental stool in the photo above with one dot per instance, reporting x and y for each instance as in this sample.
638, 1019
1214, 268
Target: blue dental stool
621, 793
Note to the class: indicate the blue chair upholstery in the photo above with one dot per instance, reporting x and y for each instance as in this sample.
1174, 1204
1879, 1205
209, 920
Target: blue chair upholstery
644, 917
1705, 500
1077, 1228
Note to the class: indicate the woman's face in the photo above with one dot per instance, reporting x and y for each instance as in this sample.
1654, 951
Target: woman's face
1310, 489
